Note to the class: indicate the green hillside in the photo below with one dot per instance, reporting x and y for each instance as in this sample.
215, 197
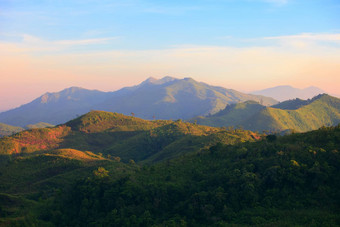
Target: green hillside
124, 136
292, 104
298, 115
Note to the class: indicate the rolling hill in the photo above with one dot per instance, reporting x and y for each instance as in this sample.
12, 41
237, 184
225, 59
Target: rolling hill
283, 93
128, 137
166, 98
299, 115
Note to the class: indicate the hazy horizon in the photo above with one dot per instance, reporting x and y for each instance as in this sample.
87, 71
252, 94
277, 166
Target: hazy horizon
245, 45
244, 91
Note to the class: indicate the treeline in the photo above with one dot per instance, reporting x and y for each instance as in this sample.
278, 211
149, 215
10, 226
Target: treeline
281, 181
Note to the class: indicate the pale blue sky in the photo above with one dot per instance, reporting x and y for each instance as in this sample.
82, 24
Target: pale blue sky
142, 24
48, 45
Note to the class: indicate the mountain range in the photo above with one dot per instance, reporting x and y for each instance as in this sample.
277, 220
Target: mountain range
285, 92
166, 98
299, 115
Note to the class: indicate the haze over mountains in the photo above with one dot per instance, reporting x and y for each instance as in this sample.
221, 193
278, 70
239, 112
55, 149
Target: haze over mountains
283, 93
166, 98
7, 130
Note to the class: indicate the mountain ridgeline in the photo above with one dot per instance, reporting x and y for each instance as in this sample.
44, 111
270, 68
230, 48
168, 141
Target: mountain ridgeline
166, 98
298, 115
283, 93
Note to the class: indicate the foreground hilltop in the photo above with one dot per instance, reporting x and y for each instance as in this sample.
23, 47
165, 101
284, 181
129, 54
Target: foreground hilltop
166, 98
299, 115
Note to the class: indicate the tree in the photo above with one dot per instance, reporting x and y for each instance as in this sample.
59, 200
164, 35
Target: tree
101, 172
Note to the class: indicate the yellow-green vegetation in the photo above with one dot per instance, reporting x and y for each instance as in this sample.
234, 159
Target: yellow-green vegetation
7, 130
297, 115
39, 125
75, 154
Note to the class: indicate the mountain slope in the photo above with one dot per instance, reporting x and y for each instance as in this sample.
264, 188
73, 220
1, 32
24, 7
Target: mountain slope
166, 98
282, 93
171, 98
299, 115
54, 108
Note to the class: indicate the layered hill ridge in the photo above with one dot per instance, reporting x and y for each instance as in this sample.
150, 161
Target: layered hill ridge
298, 115
166, 98
128, 137
7, 130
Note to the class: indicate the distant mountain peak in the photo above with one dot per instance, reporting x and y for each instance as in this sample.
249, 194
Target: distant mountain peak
152, 80
189, 79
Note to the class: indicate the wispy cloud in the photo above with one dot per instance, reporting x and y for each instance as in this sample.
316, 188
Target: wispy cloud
329, 37
34, 43
84, 41
307, 39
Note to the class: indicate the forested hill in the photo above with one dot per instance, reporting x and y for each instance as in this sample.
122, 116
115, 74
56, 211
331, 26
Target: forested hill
174, 174
299, 115
124, 136
279, 181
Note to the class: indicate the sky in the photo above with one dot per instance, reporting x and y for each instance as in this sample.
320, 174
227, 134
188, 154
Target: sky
48, 45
